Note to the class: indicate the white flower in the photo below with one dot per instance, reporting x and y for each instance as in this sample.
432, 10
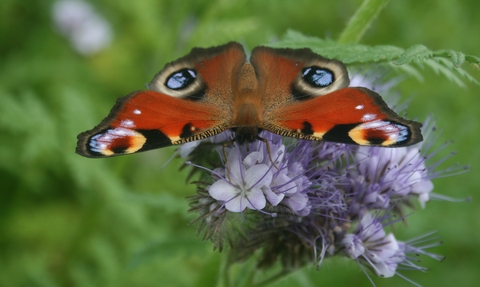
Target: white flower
246, 183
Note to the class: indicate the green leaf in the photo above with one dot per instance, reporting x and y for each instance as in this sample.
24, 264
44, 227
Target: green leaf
473, 60
408, 61
417, 53
457, 57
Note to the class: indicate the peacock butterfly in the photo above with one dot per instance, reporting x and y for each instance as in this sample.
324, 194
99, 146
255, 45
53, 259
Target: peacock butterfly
290, 92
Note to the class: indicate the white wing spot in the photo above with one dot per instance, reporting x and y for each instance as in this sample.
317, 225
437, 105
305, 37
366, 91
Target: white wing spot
359, 107
368, 117
127, 123
119, 132
137, 111
374, 124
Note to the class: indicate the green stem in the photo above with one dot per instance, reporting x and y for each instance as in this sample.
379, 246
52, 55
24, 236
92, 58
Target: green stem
225, 270
360, 22
273, 278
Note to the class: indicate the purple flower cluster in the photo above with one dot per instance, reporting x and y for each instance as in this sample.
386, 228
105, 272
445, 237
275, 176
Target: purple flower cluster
251, 179
302, 201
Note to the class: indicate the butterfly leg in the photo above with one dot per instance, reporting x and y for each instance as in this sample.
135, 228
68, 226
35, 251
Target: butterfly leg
268, 150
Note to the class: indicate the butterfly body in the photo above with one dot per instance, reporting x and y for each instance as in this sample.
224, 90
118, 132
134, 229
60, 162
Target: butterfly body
291, 92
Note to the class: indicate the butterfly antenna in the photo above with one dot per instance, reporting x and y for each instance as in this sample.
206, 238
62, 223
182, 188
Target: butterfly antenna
224, 150
170, 159
268, 150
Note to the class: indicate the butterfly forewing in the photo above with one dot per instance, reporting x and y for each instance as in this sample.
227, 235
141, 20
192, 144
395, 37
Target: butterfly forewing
349, 115
147, 120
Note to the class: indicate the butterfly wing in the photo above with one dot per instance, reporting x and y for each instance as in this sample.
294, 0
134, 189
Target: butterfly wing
190, 99
349, 115
306, 96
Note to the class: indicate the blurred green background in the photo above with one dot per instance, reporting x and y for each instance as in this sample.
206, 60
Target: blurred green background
71, 221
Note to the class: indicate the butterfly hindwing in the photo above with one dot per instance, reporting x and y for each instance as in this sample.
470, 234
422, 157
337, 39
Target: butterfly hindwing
212, 71
282, 73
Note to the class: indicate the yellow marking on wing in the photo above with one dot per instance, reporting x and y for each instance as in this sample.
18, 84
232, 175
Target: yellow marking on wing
107, 152
319, 135
137, 141
174, 139
357, 135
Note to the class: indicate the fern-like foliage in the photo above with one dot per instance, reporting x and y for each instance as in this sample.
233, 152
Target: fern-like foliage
444, 62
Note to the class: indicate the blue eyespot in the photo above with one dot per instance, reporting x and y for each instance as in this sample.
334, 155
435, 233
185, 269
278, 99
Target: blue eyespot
318, 77
181, 79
